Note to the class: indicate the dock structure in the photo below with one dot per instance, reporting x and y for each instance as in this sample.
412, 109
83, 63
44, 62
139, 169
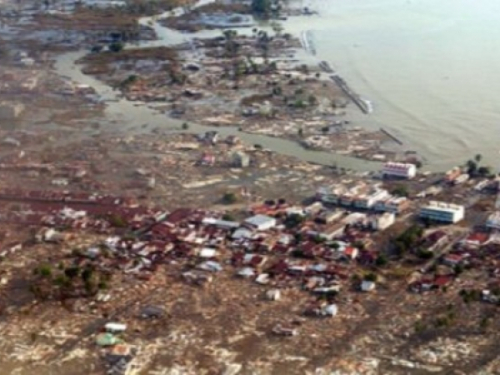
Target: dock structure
325, 67
363, 105
360, 103
391, 136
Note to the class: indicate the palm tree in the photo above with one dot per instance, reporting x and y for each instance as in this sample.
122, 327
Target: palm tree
263, 43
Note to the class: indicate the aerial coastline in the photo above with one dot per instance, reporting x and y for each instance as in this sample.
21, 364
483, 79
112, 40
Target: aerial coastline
190, 188
333, 118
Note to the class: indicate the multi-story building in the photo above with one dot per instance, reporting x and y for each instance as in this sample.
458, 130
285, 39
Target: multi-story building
442, 212
330, 195
383, 221
401, 170
368, 200
395, 205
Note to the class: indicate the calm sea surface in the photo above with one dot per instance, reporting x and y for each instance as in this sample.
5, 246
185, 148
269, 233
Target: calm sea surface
430, 67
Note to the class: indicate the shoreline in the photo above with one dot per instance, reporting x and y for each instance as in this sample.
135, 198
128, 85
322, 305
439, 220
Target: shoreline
358, 163
308, 45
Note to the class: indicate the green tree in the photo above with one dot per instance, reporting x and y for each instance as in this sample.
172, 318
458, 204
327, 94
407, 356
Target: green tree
400, 191
45, 270
471, 167
72, 272
228, 217
116, 47
263, 41
87, 274
371, 277
484, 171
117, 221
381, 260
262, 8
425, 254
478, 158
96, 49
294, 220
484, 323
335, 245
62, 281
229, 198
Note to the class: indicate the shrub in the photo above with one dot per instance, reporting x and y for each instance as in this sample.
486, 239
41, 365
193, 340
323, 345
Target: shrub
72, 272
400, 191
381, 260
229, 198
116, 47
45, 270
371, 277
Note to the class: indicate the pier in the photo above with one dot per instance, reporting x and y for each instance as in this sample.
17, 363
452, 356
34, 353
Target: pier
391, 136
360, 103
363, 105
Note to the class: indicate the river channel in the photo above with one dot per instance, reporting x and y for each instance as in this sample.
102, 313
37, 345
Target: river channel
133, 117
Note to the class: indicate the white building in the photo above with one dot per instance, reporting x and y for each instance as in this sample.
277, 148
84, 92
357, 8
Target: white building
330, 195
382, 222
224, 224
261, 222
367, 286
393, 204
367, 201
493, 221
402, 170
442, 212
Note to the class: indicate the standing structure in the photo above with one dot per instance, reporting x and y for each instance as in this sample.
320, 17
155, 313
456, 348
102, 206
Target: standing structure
401, 170
442, 212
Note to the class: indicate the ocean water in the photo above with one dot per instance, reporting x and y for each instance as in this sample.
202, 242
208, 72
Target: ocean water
431, 69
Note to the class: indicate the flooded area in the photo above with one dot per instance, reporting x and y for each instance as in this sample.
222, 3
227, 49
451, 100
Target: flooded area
124, 115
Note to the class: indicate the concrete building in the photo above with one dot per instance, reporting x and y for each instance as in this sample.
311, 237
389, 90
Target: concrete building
328, 217
224, 224
382, 222
493, 221
367, 286
340, 194
328, 195
261, 222
442, 212
368, 200
401, 170
395, 205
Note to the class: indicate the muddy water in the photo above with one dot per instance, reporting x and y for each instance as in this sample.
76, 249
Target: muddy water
125, 116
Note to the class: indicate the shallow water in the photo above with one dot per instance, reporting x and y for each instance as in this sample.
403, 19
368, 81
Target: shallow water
125, 116
129, 116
